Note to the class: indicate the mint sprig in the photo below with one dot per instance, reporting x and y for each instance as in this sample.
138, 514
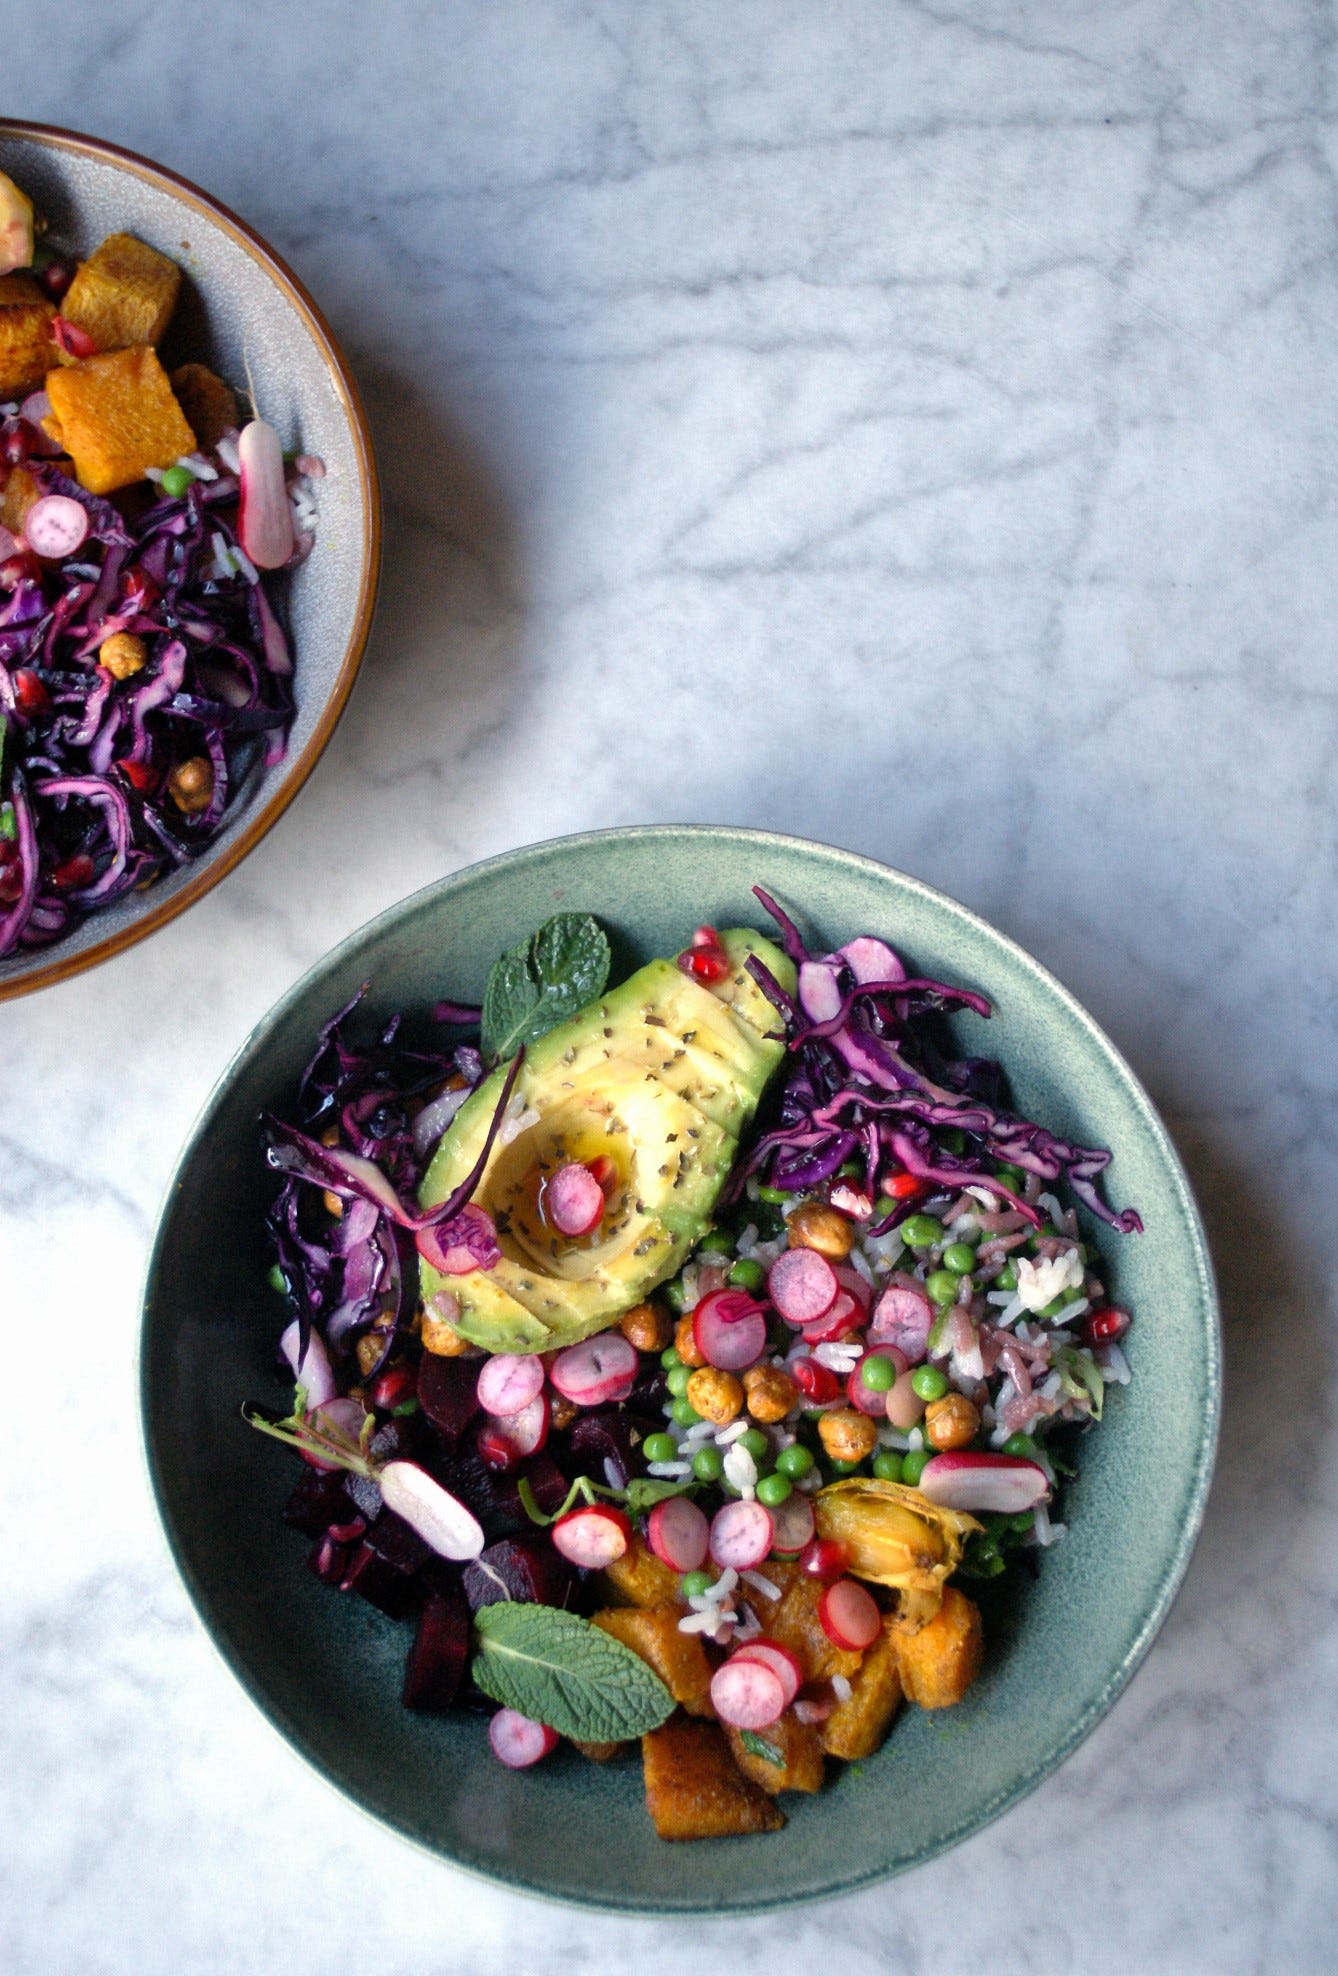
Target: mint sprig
561, 1670
642, 1493
542, 982
758, 1746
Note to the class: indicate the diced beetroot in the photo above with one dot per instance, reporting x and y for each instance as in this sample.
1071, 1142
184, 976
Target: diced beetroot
319, 1499
747, 1694
329, 1560
390, 1590
548, 1485
741, 1535
525, 1568
999, 1485
598, 1372
517, 1742
438, 1656
606, 1435
592, 1538
396, 1544
573, 1201
849, 1615
507, 1384
448, 1394
779, 1659
802, 1285
679, 1533
729, 1330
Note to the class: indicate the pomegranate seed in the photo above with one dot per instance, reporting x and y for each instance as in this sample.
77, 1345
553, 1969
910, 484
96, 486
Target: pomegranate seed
395, 1385
816, 1382
901, 1186
604, 1172
19, 568
30, 696
17, 443
75, 342
704, 964
140, 775
706, 936
496, 1450
71, 874
56, 278
11, 883
824, 1558
1105, 1327
139, 592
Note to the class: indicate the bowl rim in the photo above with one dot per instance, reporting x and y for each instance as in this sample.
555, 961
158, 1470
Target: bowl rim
1178, 1564
267, 810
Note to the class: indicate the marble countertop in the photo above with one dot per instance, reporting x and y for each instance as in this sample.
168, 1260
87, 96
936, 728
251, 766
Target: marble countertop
904, 425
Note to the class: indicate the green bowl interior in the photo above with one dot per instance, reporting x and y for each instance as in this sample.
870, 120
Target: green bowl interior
327, 1669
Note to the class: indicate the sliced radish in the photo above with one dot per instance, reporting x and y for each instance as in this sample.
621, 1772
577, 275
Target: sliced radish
679, 1534
573, 1200
526, 1431
599, 1372
779, 1659
440, 1518
849, 1616
820, 990
468, 1241
508, 1383
866, 1398
902, 1318
517, 1742
851, 1281
344, 1417
844, 1315
747, 1693
802, 1285
593, 1537
264, 518
870, 960
55, 526
794, 1525
741, 1535
729, 1330
1000, 1485
313, 1371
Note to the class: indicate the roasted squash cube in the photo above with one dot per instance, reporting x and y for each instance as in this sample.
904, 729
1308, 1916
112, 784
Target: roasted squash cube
118, 416
16, 497
26, 349
794, 1623
209, 403
785, 1756
124, 293
856, 1728
694, 1788
940, 1660
639, 1578
599, 1752
678, 1658
19, 288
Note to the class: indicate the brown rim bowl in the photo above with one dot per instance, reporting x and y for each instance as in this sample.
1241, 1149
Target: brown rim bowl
241, 308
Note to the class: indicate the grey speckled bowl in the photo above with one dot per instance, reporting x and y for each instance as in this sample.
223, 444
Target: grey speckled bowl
240, 304
327, 1670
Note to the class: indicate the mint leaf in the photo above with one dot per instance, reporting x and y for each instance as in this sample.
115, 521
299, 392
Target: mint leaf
542, 982
755, 1746
561, 1670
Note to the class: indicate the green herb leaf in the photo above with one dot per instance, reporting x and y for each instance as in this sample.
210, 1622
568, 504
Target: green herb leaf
755, 1746
543, 982
1081, 1377
561, 1670
582, 1488
644, 1491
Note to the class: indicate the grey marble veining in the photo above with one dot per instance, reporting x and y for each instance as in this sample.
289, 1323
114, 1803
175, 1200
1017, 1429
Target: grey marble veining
909, 426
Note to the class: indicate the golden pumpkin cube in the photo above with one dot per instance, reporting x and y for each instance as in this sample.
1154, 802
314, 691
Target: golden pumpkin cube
123, 293
678, 1658
785, 1756
209, 403
118, 417
639, 1578
26, 349
939, 1661
694, 1788
856, 1727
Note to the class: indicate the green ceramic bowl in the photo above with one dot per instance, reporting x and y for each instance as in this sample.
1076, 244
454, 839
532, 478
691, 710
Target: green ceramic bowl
326, 1670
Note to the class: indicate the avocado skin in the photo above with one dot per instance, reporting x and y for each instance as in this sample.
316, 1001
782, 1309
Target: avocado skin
662, 1073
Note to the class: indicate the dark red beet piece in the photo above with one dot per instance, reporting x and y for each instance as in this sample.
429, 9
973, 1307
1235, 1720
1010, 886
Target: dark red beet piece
383, 1585
447, 1394
440, 1650
525, 1568
397, 1440
397, 1545
319, 1500
329, 1561
608, 1434
548, 1485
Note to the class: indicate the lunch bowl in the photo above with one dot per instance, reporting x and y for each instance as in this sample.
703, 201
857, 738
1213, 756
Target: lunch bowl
326, 1669
243, 312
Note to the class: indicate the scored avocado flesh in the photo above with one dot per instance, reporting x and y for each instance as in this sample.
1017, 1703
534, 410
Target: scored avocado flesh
661, 1076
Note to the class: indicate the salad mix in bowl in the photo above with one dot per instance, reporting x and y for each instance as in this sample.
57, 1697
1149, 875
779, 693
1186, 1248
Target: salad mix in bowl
146, 680
678, 1355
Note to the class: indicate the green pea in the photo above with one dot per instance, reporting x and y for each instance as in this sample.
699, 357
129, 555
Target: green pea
716, 1243
9, 825
277, 1280
913, 1466
670, 1358
887, 1466
708, 1464
921, 1231
747, 1274
176, 480
942, 1286
795, 1461
1022, 1522
1011, 1177
675, 1296
878, 1373
884, 1206
1055, 1306
1007, 1277
960, 1257
677, 1380
772, 1490
405, 1408
685, 1413
775, 1196
693, 1583
953, 1140
1020, 1445
756, 1443
842, 1467
852, 1170
928, 1383
660, 1447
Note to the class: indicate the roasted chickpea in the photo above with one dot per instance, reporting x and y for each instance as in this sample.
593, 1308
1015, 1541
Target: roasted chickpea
951, 1422
717, 1395
770, 1392
191, 785
371, 1345
441, 1337
123, 654
647, 1327
563, 1412
685, 1343
848, 1435
817, 1226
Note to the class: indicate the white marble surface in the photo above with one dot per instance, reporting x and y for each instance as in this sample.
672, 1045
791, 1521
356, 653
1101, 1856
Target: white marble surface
911, 426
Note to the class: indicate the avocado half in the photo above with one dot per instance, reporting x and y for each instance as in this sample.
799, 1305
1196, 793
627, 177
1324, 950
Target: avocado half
662, 1076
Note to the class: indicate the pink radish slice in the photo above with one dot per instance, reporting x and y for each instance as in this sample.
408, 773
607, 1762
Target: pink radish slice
55, 526
844, 1315
864, 1397
849, 1616
902, 1318
779, 1659
573, 1200
729, 1330
592, 1538
527, 1430
344, 1417
870, 960
1000, 1485
468, 1241
264, 518
819, 990
314, 1372
747, 1694
741, 1535
793, 1526
802, 1285
517, 1742
440, 1518
507, 1383
598, 1372
901, 1403
679, 1534
851, 1281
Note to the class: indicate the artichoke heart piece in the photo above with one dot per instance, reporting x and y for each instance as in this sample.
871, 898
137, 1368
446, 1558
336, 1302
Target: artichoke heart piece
896, 1537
